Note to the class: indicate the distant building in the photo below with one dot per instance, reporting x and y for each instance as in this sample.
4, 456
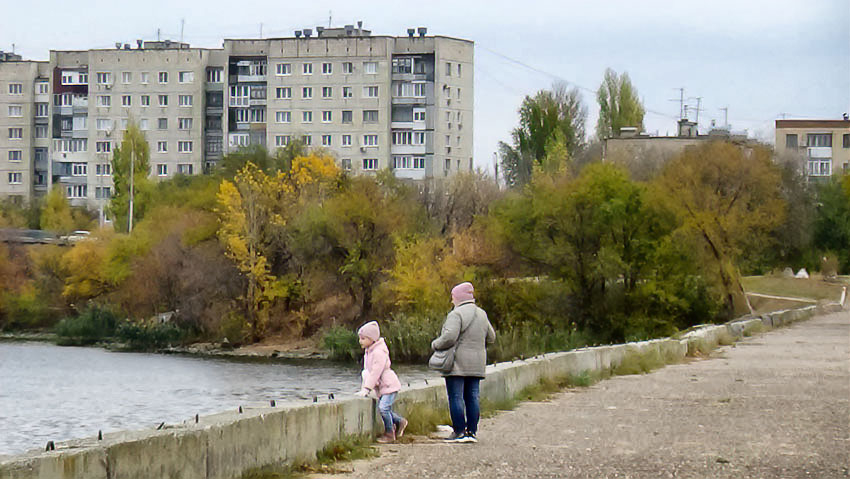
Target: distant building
403, 103
644, 155
822, 145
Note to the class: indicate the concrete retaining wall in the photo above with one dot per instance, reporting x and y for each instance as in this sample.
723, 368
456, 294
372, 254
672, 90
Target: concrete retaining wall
223, 446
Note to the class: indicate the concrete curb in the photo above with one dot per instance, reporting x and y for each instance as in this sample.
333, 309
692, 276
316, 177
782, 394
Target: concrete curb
224, 445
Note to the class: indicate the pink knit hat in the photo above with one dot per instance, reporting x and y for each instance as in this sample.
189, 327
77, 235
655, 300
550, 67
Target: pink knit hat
370, 330
462, 292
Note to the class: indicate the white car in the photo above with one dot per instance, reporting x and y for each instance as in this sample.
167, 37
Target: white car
78, 235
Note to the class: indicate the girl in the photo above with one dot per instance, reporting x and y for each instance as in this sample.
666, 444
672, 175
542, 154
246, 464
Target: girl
378, 377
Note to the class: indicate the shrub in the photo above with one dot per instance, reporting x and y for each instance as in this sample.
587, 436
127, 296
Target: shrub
92, 325
341, 343
146, 336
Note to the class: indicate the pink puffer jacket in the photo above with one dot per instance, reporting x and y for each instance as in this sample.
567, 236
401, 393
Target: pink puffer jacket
379, 377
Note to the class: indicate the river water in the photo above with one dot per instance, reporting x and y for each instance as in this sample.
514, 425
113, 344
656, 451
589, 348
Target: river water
52, 393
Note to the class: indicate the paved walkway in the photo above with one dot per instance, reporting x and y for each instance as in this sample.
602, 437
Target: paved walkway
773, 406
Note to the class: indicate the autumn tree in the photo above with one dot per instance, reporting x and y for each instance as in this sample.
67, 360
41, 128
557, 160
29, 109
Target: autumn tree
133, 154
619, 105
551, 131
56, 215
730, 198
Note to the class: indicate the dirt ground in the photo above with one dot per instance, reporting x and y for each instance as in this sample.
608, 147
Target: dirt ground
776, 405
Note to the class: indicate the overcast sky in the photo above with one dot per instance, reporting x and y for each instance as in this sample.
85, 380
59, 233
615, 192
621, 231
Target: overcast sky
761, 59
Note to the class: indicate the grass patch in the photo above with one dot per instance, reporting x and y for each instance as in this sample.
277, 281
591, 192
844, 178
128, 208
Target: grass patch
754, 328
423, 419
349, 448
636, 362
812, 288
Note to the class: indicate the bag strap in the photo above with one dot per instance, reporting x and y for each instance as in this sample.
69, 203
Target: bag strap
474, 317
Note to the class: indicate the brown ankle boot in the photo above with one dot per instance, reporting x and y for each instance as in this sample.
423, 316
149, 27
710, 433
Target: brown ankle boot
387, 438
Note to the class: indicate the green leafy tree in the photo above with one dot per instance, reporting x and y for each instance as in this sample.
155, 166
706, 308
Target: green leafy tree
619, 105
56, 215
731, 199
134, 153
551, 131
832, 221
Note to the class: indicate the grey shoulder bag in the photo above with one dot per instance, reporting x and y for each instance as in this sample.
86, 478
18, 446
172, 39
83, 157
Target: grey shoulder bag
444, 359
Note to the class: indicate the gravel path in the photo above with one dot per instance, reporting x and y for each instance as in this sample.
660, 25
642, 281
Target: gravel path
776, 405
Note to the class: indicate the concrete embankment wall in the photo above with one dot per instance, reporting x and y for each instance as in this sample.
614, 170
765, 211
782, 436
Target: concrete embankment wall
223, 446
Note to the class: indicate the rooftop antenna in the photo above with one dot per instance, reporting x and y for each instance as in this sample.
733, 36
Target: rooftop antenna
157, 34
182, 24
13, 48
261, 30
681, 101
697, 109
330, 17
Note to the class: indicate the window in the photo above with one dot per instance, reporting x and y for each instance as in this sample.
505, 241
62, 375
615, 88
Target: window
214, 75
306, 117
16, 89
240, 115
370, 163
16, 155
346, 164
102, 192
419, 90
458, 69
163, 77
307, 69
184, 168
326, 140
65, 99
43, 88
348, 68
327, 68
41, 131
126, 100
370, 140
185, 100
146, 100
307, 92
791, 141
68, 78
103, 147
124, 122
283, 116
307, 140
16, 178
163, 100
418, 137
76, 191
143, 124
257, 115
186, 77
402, 137
16, 110
327, 116
77, 123
403, 65
184, 123
820, 167
239, 140
404, 162
419, 115
104, 101
162, 147
103, 169
347, 92
162, 123
284, 69
419, 162
819, 139
370, 67
448, 69
184, 146
370, 116
161, 169
347, 116
126, 77
79, 169
104, 78
16, 133
70, 146
458, 92
281, 140
327, 92
283, 92
240, 95
845, 141
370, 91
346, 140
448, 164
145, 77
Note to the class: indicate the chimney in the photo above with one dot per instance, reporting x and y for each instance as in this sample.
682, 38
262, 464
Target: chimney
846, 117
126, 46
359, 28
410, 32
422, 31
139, 44
319, 31
117, 45
349, 29
297, 33
308, 32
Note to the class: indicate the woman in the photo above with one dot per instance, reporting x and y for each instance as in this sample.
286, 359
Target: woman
468, 327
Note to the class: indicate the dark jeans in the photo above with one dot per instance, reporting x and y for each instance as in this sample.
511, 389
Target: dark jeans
463, 403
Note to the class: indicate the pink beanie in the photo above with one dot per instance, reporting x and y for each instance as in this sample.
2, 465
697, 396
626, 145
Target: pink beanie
370, 330
462, 292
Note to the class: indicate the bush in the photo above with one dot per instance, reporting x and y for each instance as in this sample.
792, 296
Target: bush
409, 336
92, 325
341, 343
147, 336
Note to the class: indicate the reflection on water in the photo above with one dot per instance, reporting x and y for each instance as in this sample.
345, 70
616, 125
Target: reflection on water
51, 393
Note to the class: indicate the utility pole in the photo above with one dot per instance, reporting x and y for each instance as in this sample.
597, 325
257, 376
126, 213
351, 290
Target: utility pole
681, 101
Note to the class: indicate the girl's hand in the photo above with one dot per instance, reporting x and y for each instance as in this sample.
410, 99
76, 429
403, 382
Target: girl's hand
362, 392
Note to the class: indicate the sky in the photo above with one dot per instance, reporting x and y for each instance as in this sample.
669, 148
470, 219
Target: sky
761, 60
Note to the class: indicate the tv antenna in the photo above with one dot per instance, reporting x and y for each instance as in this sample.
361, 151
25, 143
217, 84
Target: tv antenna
681, 101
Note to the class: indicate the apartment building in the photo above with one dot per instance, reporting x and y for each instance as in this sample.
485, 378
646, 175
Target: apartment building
822, 145
404, 103
374, 102
24, 131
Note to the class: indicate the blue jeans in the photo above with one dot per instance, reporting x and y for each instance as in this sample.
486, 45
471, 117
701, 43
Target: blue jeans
385, 407
463, 403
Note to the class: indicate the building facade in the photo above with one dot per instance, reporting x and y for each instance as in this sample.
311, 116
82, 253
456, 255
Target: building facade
823, 145
374, 102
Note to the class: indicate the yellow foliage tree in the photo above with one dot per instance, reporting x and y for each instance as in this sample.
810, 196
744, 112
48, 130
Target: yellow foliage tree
422, 274
85, 278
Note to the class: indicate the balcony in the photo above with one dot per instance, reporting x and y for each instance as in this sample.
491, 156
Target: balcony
409, 100
821, 152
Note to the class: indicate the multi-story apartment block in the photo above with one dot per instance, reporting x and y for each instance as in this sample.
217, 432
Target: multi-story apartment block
24, 132
375, 102
824, 145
